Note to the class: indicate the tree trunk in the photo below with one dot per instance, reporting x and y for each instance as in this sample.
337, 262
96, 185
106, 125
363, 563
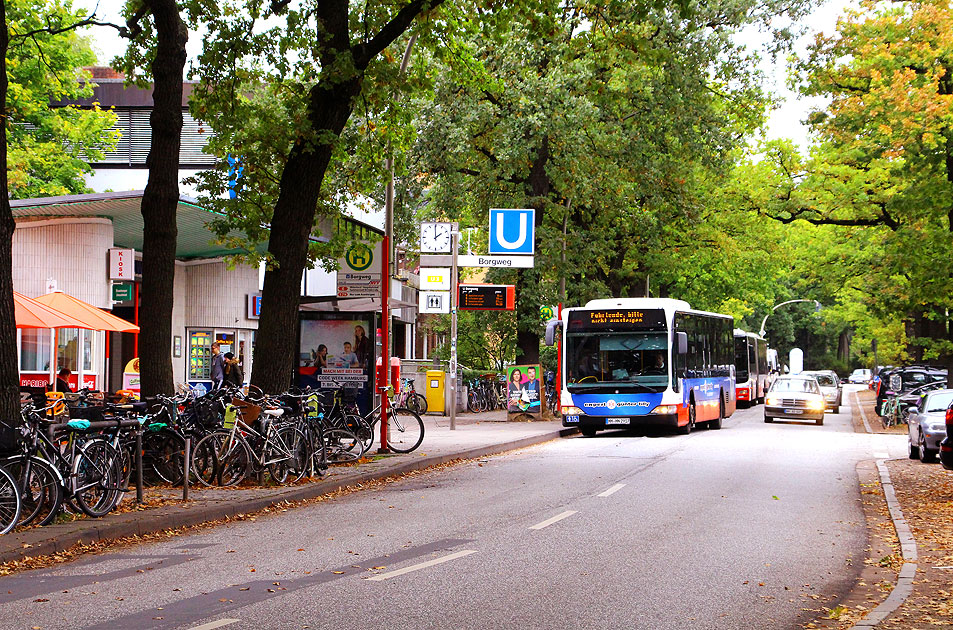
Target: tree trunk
843, 346
160, 200
330, 108
9, 370
527, 280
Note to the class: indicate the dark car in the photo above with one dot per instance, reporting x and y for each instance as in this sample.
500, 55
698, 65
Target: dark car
946, 446
903, 379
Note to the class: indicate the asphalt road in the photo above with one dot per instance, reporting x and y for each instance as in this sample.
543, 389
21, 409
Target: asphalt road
735, 528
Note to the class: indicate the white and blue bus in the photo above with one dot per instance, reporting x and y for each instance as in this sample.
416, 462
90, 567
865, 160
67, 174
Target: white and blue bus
644, 361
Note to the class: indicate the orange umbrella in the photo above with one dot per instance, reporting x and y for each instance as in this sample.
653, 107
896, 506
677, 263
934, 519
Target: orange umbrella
30, 313
94, 318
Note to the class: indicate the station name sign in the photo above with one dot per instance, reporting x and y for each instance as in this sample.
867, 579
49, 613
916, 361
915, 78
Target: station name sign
618, 319
486, 297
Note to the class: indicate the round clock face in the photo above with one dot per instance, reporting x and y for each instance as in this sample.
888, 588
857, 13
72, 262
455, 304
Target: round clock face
435, 237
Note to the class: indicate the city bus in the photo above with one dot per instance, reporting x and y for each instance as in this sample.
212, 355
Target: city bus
636, 362
751, 368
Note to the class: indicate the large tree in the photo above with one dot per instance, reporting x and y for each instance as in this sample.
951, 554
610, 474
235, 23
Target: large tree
302, 79
157, 55
41, 147
883, 161
604, 118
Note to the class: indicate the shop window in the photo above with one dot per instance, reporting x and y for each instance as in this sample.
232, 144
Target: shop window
88, 337
67, 348
34, 350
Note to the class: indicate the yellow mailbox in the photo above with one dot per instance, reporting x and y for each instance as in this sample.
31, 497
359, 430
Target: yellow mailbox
436, 383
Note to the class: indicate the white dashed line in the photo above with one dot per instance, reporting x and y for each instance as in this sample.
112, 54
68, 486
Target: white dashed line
423, 565
611, 490
554, 519
216, 624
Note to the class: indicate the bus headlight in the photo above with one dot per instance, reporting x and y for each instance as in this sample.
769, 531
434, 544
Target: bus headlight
572, 411
665, 410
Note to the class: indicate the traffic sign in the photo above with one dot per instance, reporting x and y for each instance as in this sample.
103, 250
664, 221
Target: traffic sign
547, 313
486, 297
435, 278
435, 302
122, 292
512, 231
515, 262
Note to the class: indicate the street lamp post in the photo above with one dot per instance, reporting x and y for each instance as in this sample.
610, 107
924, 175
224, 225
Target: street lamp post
817, 307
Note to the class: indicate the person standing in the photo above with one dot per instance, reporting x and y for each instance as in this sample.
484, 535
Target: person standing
218, 366
233, 371
362, 346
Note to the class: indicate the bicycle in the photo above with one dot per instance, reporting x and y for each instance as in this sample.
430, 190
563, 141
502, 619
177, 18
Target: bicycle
405, 429
10, 502
409, 398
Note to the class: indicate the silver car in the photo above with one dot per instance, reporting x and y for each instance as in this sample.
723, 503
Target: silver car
926, 425
830, 387
795, 397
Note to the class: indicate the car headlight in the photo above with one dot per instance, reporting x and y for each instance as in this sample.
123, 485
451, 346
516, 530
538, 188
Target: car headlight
665, 410
572, 411
816, 405
772, 401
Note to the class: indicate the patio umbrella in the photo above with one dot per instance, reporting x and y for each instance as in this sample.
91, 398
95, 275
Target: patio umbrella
30, 313
94, 318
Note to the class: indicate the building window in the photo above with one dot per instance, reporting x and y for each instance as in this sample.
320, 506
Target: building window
67, 349
34, 350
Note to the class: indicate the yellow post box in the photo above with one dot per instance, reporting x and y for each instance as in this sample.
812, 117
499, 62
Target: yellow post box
436, 384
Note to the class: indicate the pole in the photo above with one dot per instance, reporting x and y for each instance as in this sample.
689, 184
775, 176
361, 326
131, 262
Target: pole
135, 346
385, 274
139, 465
454, 289
186, 468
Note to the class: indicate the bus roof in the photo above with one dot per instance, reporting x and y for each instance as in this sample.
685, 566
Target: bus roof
668, 304
744, 333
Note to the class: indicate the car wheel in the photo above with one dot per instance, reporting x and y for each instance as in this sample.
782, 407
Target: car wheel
819, 421
927, 456
913, 451
837, 408
768, 419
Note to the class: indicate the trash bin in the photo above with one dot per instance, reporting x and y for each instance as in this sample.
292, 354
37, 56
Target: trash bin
436, 384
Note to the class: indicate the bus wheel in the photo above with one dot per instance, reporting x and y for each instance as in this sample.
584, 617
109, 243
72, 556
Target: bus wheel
587, 431
685, 430
716, 424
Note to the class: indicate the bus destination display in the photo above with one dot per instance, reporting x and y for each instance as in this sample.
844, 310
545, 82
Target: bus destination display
619, 319
487, 297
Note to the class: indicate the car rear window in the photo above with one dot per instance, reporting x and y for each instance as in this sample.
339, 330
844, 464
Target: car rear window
825, 380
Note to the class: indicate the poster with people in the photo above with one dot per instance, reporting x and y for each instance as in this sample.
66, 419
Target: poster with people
335, 353
523, 390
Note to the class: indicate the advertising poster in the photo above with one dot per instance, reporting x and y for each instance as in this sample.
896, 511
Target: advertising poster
336, 353
523, 389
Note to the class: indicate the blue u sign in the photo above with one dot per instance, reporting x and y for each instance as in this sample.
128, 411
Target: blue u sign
511, 231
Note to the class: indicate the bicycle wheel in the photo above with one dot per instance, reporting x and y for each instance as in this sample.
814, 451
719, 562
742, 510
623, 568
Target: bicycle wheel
342, 446
286, 455
40, 486
405, 430
360, 427
418, 403
162, 455
9, 502
317, 450
221, 458
97, 474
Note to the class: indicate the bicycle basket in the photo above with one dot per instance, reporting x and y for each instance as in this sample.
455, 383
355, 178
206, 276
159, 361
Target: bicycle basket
248, 412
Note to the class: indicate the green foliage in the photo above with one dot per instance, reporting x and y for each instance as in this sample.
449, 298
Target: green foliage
49, 146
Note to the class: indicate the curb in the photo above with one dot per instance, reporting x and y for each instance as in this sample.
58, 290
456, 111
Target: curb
908, 546
59, 538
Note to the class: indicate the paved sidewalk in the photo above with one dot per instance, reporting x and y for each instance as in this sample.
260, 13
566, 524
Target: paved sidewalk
476, 435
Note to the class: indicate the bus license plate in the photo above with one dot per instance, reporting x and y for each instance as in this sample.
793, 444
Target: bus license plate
572, 419
794, 411
617, 421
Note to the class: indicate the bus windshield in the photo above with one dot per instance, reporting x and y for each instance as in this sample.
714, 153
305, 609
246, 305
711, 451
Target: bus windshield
741, 359
636, 360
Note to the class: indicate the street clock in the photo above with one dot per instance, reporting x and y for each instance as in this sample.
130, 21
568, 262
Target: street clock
435, 238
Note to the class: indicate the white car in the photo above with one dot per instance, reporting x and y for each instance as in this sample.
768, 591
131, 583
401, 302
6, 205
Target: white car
830, 387
860, 375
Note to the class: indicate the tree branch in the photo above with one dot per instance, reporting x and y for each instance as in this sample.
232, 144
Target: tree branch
364, 53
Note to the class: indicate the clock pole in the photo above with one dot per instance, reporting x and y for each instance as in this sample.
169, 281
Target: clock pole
454, 281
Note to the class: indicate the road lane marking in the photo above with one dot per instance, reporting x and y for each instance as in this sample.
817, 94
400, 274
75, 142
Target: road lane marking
423, 565
611, 490
554, 519
215, 624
